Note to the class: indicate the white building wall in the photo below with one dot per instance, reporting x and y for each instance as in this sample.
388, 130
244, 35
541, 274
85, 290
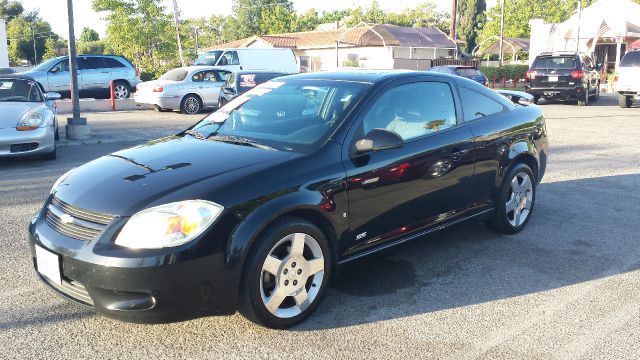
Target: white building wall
368, 57
4, 51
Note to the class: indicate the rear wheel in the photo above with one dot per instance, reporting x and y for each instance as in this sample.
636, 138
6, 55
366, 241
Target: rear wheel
536, 99
517, 198
190, 104
286, 274
625, 101
595, 97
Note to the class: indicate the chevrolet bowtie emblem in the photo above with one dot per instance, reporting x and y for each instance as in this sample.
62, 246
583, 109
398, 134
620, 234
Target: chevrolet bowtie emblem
66, 219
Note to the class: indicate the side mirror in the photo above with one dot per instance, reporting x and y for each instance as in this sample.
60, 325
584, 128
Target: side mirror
379, 139
52, 96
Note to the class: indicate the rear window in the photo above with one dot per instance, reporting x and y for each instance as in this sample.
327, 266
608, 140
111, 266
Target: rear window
631, 59
112, 63
467, 72
175, 75
555, 62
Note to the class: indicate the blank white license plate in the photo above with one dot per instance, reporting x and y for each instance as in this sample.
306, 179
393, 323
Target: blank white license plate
48, 264
553, 79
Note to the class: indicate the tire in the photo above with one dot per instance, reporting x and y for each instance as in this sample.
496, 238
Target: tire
301, 276
190, 104
56, 136
536, 99
585, 99
595, 97
511, 203
625, 101
121, 90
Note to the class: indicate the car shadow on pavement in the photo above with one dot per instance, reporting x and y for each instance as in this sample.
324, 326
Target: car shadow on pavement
581, 230
604, 100
49, 314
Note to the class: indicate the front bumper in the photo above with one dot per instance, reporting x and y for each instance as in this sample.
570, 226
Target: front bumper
155, 101
572, 92
147, 286
22, 143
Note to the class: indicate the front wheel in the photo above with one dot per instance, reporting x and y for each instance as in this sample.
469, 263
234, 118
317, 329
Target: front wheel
516, 201
286, 275
625, 101
121, 90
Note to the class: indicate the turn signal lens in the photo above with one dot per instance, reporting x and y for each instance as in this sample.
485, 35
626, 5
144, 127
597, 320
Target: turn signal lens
158, 88
531, 74
578, 74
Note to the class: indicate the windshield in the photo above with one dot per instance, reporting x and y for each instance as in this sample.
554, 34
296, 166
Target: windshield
296, 115
47, 64
174, 75
19, 90
208, 58
555, 62
632, 58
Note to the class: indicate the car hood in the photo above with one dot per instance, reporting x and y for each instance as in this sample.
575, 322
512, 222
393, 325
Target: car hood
162, 171
14, 111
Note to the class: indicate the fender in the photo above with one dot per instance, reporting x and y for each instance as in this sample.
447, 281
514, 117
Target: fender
521, 149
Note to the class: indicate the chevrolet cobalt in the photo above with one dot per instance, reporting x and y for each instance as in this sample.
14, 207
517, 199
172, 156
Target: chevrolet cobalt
254, 207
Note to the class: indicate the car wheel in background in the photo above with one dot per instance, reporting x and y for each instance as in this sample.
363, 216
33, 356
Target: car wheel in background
596, 96
625, 101
190, 104
536, 99
121, 90
584, 101
516, 201
286, 274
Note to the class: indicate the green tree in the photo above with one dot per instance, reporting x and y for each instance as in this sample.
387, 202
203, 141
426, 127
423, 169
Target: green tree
22, 35
307, 21
277, 19
470, 21
10, 9
248, 14
51, 49
89, 34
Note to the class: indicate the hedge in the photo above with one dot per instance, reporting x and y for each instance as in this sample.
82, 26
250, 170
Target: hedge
506, 71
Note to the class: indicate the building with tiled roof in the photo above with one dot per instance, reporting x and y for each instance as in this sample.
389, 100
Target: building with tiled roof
379, 47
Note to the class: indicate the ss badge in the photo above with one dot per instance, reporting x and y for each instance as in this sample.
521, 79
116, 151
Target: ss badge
361, 236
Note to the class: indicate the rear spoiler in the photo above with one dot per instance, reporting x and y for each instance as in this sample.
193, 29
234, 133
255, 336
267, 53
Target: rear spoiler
516, 96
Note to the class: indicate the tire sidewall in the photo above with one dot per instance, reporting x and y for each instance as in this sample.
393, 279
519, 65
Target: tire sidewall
126, 86
183, 108
254, 308
502, 222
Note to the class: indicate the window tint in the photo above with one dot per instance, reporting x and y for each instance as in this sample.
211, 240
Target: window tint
476, 105
175, 75
632, 58
201, 76
555, 62
413, 110
112, 63
223, 75
88, 63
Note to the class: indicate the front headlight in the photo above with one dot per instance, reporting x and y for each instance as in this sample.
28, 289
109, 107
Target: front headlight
168, 225
30, 121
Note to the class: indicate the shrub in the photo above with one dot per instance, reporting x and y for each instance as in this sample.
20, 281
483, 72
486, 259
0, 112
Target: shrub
506, 71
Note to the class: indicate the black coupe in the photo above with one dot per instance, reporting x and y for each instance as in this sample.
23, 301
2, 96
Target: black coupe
253, 208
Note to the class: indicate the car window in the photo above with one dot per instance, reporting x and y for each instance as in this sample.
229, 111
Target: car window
175, 75
208, 58
476, 105
413, 110
555, 62
631, 58
60, 66
19, 90
229, 58
201, 76
112, 63
467, 72
90, 63
223, 75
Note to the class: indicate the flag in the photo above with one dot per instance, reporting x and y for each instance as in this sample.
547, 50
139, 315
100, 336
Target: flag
604, 28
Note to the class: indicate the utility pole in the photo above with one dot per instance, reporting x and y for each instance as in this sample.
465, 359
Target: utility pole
195, 43
579, 23
35, 51
77, 128
502, 34
454, 20
176, 19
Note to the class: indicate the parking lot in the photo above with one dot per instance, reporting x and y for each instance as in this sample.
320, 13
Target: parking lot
566, 287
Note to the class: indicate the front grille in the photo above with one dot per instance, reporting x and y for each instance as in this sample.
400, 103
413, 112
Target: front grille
75, 222
16, 148
72, 289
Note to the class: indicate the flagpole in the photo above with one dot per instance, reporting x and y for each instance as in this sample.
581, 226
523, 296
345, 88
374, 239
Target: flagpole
579, 22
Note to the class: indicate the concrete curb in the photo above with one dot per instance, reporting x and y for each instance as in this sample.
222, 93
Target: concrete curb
97, 105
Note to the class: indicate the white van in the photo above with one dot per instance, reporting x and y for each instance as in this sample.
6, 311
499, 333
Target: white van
280, 60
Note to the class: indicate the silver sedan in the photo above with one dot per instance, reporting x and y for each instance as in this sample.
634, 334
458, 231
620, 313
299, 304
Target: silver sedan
188, 89
28, 123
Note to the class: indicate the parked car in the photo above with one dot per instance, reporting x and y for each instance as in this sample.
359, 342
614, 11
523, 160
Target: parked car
242, 81
563, 76
277, 60
468, 72
254, 207
188, 89
95, 73
28, 124
627, 79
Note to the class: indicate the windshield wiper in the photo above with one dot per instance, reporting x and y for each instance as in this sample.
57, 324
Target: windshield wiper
240, 141
194, 133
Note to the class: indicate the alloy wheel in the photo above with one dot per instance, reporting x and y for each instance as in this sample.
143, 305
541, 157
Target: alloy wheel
192, 105
519, 199
120, 91
292, 275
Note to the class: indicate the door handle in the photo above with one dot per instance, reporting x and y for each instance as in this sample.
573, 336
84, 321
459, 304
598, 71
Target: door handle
456, 155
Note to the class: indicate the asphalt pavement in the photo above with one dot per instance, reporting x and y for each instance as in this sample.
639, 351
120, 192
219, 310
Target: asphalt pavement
566, 287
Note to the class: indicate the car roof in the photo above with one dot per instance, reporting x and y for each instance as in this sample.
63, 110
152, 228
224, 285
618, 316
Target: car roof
365, 76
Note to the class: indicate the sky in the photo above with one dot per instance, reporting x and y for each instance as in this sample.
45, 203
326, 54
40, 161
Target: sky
55, 11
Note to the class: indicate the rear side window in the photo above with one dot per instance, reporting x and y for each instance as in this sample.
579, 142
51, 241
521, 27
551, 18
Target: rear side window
555, 62
175, 75
632, 58
89, 63
476, 106
112, 63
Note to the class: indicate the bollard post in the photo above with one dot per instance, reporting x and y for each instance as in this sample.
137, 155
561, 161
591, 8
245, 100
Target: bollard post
112, 96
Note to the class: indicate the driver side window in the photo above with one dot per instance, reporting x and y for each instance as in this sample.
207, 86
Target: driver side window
60, 67
413, 110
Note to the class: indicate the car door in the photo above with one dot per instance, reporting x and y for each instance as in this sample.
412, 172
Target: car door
59, 77
92, 74
208, 84
424, 183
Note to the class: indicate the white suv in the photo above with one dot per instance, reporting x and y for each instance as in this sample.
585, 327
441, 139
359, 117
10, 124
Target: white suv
627, 82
